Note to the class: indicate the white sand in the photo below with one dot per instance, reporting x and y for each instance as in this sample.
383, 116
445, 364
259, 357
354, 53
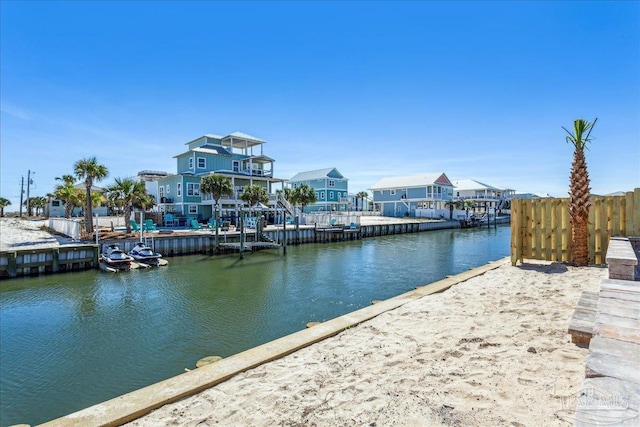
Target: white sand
492, 351
17, 234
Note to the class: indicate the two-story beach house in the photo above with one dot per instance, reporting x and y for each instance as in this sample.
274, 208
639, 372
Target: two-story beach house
422, 195
238, 156
486, 198
331, 189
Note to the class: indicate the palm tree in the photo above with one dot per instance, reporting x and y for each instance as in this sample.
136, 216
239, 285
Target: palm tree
37, 203
127, 193
90, 170
3, 204
217, 186
68, 193
453, 204
304, 195
579, 191
255, 194
363, 195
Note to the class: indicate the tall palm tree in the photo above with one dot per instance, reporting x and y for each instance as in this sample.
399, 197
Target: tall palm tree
363, 195
89, 170
127, 193
68, 193
3, 204
304, 195
579, 191
217, 186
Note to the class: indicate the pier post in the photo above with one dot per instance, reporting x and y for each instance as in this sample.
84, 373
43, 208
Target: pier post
12, 268
56, 260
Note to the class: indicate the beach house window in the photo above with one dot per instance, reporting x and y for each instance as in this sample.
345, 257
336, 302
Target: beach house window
330, 195
322, 195
161, 192
193, 209
168, 189
236, 166
202, 163
55, 203
179, 189
193, 189
317, 195
191, 163
392, 192
332, 183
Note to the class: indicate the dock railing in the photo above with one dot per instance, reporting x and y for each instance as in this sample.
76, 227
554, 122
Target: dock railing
541, 230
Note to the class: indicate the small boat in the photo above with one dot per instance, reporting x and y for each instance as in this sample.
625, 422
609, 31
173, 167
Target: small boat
114, 259
142, 253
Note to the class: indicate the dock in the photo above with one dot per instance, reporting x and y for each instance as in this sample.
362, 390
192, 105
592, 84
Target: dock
250, 246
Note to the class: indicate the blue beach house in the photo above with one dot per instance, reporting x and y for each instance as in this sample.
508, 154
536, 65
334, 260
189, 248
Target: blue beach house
237, 156
422, 195
331, 188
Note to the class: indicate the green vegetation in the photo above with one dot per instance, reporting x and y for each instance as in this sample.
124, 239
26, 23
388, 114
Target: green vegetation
579, 191
89, 170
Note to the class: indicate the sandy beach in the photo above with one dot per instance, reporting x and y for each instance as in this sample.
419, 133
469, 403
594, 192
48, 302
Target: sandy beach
491, 351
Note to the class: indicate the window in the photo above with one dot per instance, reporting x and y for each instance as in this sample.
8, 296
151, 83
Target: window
193, 209
322, 195
193, 189
392, 192
55, 203
202, 163
179, 189
168, 189
332, 183
191, 163
161, 191
317, 195
330, 195
236, 166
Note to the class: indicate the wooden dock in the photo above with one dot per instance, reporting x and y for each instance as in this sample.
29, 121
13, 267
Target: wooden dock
611, 389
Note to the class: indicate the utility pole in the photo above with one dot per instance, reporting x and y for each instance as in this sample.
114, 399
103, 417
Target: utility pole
21, 193
28, 185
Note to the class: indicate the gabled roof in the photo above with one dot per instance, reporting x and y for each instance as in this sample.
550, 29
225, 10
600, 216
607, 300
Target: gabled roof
317, 174
419, 180
472, 184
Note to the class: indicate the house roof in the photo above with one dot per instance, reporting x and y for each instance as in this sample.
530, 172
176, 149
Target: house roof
240, 140
212, 149
317, 174
419, 180
472, 184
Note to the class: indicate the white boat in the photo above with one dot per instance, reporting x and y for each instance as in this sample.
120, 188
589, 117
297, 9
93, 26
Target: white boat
144, 254
114, 259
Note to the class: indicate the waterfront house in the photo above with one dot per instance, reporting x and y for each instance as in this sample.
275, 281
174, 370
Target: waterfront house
421, 195
486, 198
331, 189
237, 156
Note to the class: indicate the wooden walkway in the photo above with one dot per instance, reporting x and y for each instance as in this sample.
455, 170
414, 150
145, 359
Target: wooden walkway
611, 329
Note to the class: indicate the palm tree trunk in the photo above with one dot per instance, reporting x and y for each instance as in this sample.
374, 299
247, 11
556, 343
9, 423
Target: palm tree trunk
580, 237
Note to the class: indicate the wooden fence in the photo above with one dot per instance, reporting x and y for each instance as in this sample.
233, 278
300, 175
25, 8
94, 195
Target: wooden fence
540, 228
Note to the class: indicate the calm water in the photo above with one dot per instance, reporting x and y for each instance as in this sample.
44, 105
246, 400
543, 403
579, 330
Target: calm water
72, 340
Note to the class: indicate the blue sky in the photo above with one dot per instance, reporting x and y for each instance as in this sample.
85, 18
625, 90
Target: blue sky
477, 90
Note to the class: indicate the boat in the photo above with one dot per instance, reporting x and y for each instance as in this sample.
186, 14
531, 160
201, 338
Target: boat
113, 259
143, 254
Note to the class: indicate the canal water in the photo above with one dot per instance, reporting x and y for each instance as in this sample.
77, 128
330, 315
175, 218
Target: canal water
72, 340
